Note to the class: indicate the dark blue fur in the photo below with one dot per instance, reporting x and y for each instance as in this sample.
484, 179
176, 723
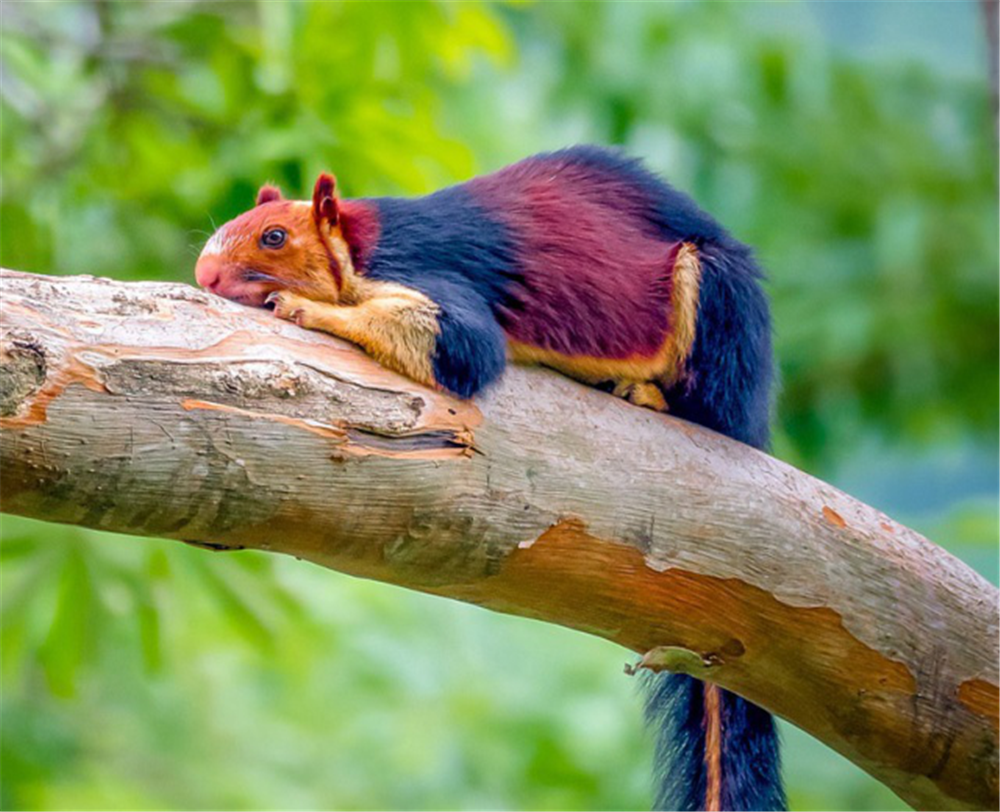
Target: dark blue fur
451, 249
460, 255
471, 351
675, 713
750, 779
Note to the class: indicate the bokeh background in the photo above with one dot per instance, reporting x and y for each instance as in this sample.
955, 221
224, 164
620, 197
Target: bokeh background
854, 144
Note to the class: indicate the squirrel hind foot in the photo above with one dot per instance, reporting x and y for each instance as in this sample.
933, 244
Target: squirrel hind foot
646, 394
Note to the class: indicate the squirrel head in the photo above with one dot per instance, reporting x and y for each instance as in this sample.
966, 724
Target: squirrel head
279, 245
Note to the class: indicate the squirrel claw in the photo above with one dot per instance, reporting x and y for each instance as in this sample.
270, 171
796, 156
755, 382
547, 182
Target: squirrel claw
287, 306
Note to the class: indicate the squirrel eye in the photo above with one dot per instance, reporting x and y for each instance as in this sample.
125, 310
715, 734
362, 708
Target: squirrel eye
273, 238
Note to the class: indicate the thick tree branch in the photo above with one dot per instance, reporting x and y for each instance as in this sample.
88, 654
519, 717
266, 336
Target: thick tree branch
157, 410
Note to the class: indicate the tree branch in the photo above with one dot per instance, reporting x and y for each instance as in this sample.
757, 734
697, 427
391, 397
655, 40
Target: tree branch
157, 410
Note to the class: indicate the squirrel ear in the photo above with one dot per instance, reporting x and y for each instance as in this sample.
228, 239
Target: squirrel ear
324, 199
268, 193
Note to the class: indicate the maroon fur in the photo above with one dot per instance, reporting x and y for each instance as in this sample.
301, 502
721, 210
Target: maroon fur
596, 271
360, 226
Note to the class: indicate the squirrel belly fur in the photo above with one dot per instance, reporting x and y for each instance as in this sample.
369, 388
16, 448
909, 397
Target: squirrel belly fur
580, 260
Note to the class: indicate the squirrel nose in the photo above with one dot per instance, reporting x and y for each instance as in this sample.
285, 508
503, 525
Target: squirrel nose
208, 272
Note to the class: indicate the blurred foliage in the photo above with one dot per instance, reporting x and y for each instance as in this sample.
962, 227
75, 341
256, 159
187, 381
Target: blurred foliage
139, 675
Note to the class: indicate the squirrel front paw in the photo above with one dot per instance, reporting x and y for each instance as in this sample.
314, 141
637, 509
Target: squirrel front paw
289, 306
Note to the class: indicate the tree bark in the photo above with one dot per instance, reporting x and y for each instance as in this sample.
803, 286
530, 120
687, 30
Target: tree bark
158, 410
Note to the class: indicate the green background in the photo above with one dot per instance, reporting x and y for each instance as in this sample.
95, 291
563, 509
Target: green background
853, 144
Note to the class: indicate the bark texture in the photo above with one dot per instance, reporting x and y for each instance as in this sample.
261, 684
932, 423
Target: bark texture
158, 410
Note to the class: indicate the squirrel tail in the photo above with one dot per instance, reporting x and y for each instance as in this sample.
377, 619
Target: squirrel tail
714, 750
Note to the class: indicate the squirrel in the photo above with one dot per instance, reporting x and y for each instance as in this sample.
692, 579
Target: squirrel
581, 260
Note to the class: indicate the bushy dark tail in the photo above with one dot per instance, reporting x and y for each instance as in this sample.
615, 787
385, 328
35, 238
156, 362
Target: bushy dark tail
714, 750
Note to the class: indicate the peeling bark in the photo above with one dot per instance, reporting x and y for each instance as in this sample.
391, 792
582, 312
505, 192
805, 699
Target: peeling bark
155, 409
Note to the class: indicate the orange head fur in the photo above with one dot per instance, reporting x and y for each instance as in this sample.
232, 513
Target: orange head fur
279, 245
